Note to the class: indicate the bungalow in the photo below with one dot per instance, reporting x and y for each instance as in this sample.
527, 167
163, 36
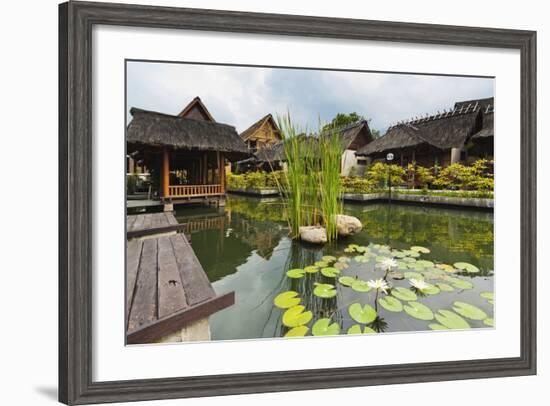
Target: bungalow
354, 136
264, 133
185, 154
462, 134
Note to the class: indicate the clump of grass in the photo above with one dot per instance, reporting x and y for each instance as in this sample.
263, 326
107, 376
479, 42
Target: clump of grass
311, 186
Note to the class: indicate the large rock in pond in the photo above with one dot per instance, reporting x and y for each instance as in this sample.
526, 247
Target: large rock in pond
347, 225
313, 234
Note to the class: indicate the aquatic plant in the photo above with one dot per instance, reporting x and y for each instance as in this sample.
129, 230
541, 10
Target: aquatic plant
311, 186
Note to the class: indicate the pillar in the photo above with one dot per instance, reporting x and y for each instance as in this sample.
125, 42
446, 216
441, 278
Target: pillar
165, 173
455, 155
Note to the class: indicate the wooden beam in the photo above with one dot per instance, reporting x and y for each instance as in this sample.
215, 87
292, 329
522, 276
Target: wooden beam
165, 173
222, 172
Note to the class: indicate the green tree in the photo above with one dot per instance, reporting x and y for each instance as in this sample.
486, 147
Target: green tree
341, 120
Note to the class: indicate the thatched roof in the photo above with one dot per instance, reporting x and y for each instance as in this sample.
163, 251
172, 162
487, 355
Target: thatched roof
356, 135
398, 136
158, 129
271, 154
197, 110
258, 124
445, 130
487, 123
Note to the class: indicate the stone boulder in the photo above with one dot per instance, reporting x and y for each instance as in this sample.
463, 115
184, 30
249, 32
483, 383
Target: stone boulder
347, 225
313, 234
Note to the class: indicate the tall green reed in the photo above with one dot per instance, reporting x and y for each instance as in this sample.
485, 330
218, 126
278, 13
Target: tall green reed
311, 186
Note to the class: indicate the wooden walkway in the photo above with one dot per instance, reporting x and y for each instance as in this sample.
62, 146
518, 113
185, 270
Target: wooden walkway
166, 286
150, 224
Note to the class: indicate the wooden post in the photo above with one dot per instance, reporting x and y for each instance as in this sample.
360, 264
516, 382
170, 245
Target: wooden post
205, 169
222, 173
165, 173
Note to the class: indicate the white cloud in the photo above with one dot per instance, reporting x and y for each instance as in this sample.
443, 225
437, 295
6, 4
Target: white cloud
241, 95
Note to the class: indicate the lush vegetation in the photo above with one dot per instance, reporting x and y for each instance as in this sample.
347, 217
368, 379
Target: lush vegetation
475, 180
254, 180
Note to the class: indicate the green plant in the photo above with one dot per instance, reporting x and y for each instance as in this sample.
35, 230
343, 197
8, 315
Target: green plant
131, 184
378, 174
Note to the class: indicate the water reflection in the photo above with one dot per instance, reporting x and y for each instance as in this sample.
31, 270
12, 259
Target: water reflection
245, 248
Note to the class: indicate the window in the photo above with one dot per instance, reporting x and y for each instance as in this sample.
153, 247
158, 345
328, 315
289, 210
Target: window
361, 162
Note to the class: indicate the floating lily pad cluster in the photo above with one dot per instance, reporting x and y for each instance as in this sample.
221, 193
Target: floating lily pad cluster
420, 278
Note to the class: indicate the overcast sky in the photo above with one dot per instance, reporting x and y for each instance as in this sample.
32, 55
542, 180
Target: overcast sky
241, 95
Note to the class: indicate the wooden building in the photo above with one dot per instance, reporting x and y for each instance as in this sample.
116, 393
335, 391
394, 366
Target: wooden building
264, 133
186, 154
353, 136
462, 134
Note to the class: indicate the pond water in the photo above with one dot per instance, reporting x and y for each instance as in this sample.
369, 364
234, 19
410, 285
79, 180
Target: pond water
245, 248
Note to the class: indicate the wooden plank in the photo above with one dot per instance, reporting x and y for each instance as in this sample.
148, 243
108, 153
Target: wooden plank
138, 224
170, 218
130, 220
151, 231
171, 296
169, 325
195, 282
133, 257
144, 304
148, 221
157, 220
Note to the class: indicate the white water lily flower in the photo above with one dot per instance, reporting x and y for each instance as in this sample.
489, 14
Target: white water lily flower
379, 284
389, 263
419, 284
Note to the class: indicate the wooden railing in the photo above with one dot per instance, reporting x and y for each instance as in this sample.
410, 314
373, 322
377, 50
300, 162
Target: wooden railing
194, 190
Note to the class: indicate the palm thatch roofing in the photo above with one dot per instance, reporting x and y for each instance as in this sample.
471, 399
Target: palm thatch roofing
487, 125
246, 134
197, 110
450, 129
353, 136
157, 129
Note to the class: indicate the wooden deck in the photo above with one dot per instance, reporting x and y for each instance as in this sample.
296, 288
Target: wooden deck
166, 286
150, 224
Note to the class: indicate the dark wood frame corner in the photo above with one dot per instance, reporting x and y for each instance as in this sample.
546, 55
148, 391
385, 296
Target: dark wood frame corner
76, 20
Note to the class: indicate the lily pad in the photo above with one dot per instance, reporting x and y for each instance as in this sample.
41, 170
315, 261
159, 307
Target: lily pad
324, 290
487, 295
444, 287
435, 326
391, 304
465, 266
425, 263
295, 273
287, 299
361, 258
343, 259
321, 264
299, 331
461, 283
295, 316
398, 254
418, 311
446, 267
346, 280
311, 269
356, 329
360, 286
469, 311
328, 258
411, 253
413, 275
404, 294
489, 322
362, 314
451, 320
430, 290
422, 250
323, 327
408, 260
330, 272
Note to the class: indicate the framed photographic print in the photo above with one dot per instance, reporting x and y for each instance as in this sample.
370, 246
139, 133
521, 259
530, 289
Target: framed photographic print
259, 202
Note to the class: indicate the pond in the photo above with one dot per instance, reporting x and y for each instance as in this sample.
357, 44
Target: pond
441, 277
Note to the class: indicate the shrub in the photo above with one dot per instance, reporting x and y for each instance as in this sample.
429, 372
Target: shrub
254, 180
357, 185
378, 174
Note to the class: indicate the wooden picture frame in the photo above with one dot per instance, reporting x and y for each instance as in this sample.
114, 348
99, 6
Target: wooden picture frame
76, 20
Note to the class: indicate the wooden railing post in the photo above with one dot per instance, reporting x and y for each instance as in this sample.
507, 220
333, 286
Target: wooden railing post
165, 173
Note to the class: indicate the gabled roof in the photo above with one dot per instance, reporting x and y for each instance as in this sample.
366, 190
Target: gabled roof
158, 129
443, 130
197, 110
356, 135
250, 131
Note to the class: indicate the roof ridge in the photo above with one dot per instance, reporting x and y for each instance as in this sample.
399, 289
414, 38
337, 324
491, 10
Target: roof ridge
134, 110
